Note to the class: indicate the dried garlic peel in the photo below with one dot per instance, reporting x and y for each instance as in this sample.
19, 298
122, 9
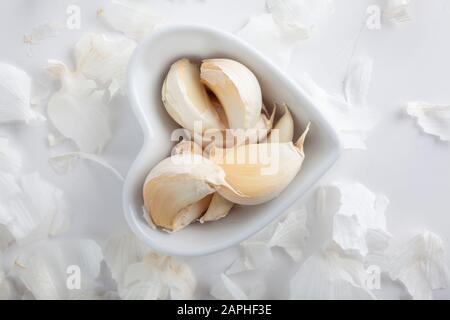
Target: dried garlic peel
78, 111
237, 89
43, 268
260, 172
133, 18
15, 95
104, 59
10, 158
421, 265
185, 98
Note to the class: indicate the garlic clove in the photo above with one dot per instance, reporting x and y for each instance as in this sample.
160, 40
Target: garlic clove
186, 99
237, 89
258, 173
264, 125
284, 128
104, 59
192, 212
218, 208
175, 191
135, 19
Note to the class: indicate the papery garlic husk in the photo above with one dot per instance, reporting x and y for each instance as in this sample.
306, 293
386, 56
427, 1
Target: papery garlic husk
120, 251
237, 89
178, 190
104, 59
8, 290
218, 208
187, 147
15, 96
433, 119
186, 99
31, 208
259, 172
330, 275
284, 128
60, 269
264, 34
397, 11
78, 110
10, 157
135, 19
421, 265
158, 276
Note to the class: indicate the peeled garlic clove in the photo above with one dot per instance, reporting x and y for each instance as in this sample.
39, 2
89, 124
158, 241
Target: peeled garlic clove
175, 189
284, 128
191, 213
237, 89
218, 208
186, 99
187, 147
259, 172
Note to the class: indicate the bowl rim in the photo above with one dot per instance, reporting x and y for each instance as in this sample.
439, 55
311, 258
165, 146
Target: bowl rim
147, 131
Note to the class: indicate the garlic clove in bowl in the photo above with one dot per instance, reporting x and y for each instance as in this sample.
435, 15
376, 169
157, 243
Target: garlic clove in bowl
178, 190
237, 89
259, 173
284, 127
186, 99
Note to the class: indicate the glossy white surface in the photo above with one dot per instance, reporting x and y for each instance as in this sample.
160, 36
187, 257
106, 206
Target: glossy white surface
411, 62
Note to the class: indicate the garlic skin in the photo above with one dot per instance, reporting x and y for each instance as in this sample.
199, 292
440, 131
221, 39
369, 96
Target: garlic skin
176, 190
10, 157
78, 110
43, 268
285, 127
186, 99
134, 19
218, 208
259, 180
15, 96
237, 89
104, 59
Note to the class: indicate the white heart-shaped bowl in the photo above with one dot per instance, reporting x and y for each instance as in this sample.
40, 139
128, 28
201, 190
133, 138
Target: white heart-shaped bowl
147, 69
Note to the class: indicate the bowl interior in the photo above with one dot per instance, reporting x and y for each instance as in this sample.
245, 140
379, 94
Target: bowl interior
147, 70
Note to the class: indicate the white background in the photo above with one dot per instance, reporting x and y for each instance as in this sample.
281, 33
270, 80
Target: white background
411, 62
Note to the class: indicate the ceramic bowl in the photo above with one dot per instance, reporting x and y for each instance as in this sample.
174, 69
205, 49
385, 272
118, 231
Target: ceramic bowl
147, 69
